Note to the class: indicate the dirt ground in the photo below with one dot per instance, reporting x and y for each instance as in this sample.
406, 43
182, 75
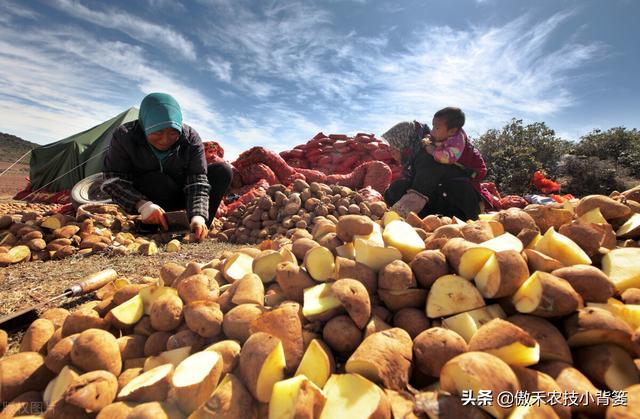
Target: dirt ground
14, 180
30, 283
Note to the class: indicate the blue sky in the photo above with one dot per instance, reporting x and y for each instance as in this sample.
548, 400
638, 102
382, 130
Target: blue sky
274, 73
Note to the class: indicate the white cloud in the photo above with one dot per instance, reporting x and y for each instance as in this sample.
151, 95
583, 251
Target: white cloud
134, 26
221, 68
294, 74
11, 8
54, 83
492, 73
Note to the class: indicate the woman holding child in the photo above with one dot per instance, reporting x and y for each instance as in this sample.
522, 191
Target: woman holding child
442, 170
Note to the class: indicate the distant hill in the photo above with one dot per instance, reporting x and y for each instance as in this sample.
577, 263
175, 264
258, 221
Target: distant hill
12, 148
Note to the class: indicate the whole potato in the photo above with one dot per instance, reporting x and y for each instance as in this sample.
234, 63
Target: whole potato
166, 313
97, 349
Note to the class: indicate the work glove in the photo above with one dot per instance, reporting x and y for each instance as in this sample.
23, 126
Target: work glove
151, 213
410, 201
199, 227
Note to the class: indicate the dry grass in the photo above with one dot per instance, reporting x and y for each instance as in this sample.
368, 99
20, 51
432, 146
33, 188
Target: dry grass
31, 283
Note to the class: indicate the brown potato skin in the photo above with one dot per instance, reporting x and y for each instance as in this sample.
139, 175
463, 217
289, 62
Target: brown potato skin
396, 276
553, 345
236, 323
570, 379
131, 346
284, 323
293, 280
413, 320
92, 391
166, 313
352, 225
342, 334
355, 299
156, 343
514, 220
204, 318
97, 349
185, 338
347, 268
631, 296
230, 401
60, 354
390, 353
435, 347
57, 316
428, 266
531, 380
252, 356
590, 282
22, 372
37, 336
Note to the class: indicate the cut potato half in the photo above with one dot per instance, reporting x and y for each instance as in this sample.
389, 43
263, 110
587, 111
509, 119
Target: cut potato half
353, 396
452, 294
295, 398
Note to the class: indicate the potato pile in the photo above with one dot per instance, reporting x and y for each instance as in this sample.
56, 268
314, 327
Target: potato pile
99, 229
21, 208
280, 211
361, 319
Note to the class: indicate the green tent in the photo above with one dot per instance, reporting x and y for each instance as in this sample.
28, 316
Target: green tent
58, 166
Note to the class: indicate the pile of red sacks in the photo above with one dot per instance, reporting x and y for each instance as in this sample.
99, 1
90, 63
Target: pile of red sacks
363, 161
340, 154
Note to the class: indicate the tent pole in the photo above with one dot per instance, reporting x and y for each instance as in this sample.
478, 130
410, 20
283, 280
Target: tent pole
15, 162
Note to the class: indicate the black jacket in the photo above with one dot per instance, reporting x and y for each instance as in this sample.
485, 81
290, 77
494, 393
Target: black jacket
130, 156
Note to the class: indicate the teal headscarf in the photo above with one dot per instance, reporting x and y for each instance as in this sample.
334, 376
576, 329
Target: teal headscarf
159, 111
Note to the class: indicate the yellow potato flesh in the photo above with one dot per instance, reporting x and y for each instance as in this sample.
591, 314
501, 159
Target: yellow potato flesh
374, 238
319, 299
375, 257
622, 266
620, 374
488, 278
56, 387
173, 357
195, 368
347, 250
350, 396
320, 263
129, 312
272, 371
390, 216
403, 237
462, 380
151, 293
517, 354
467, 324
452, 294
632, 224
284, 396
506, 241
528, 296
237, 267
472, 261
315, 364
146, 379
265, 266
593, 216
562, 248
